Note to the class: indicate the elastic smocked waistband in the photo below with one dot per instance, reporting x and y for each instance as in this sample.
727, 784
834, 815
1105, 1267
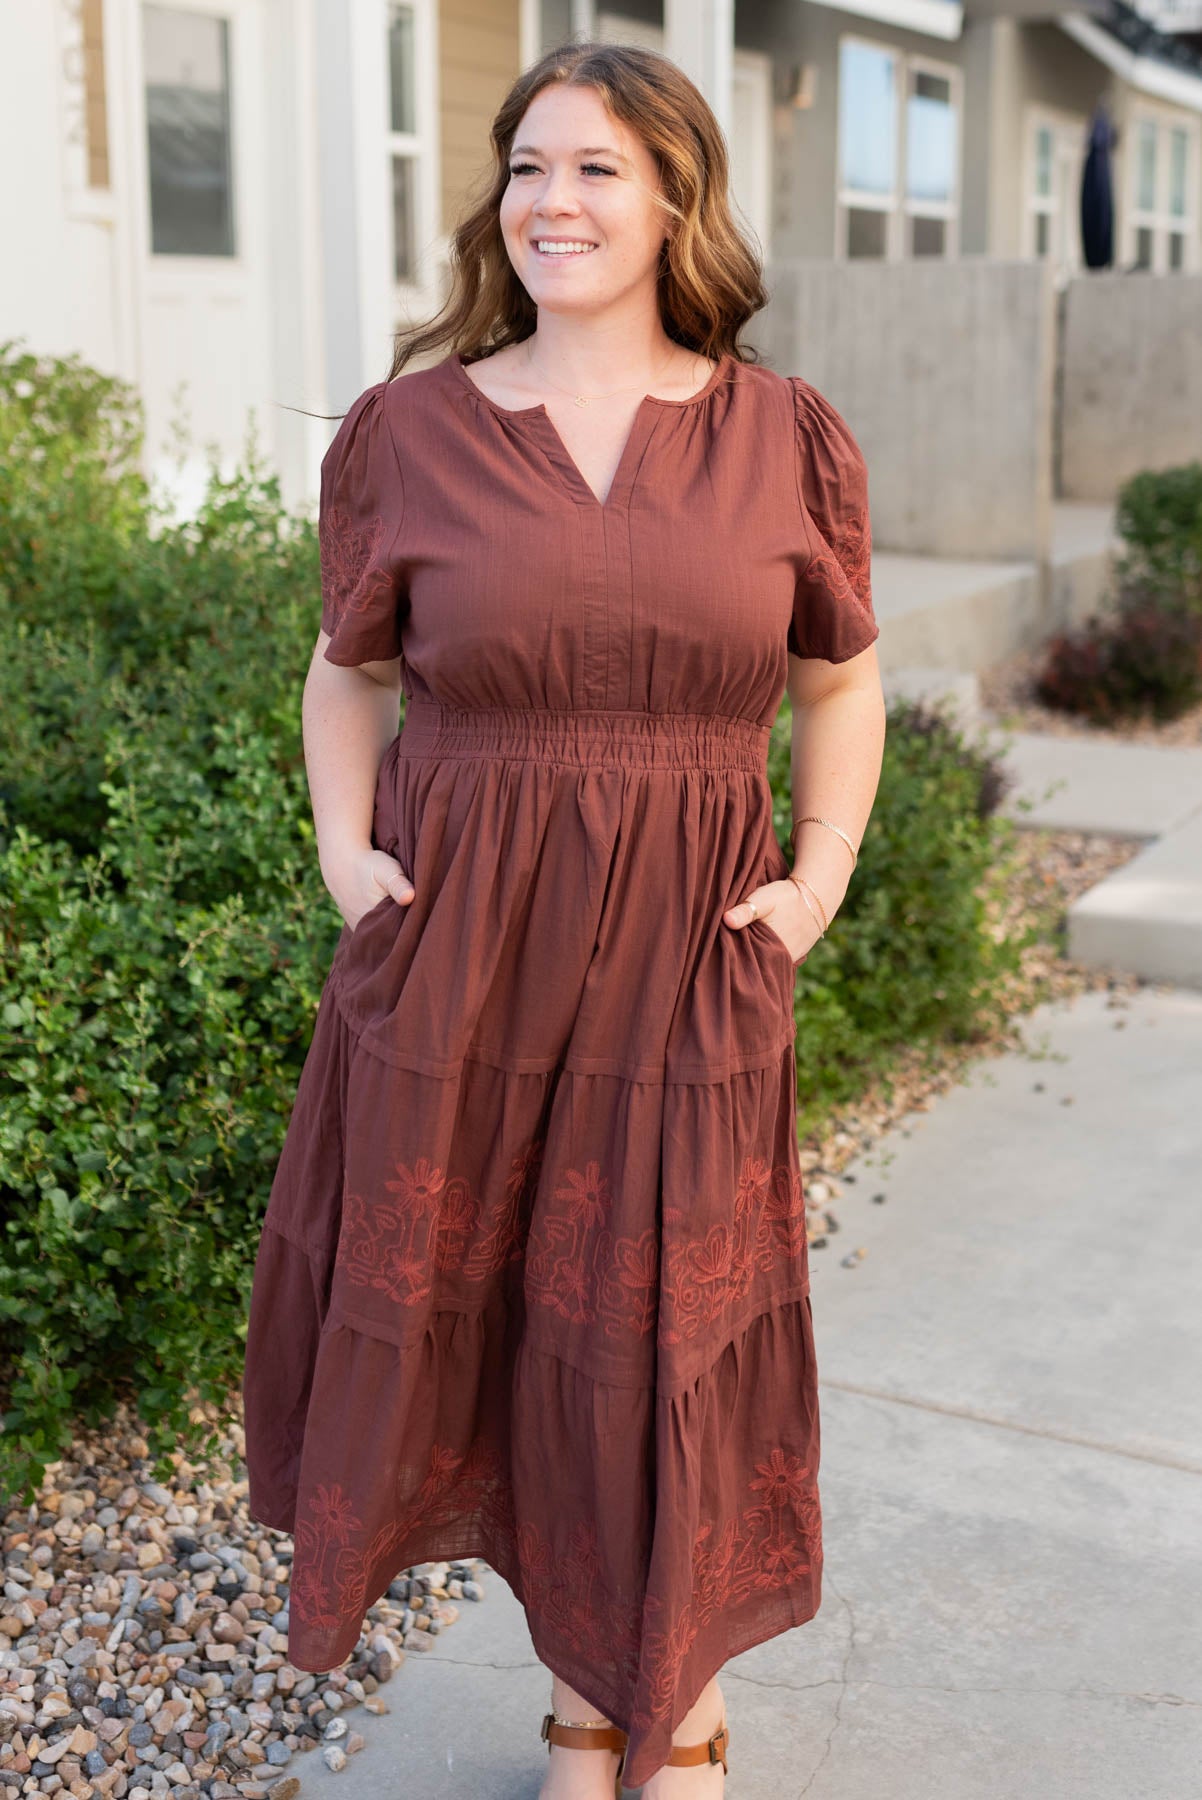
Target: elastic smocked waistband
586, 738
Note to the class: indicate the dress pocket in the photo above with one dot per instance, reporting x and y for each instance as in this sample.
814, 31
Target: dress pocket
774, 940
775, 868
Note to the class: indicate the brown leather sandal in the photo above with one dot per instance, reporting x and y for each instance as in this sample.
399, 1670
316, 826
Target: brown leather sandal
712, 1751
587, 1737
612, 1737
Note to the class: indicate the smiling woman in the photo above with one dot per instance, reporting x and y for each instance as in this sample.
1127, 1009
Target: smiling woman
533, 1282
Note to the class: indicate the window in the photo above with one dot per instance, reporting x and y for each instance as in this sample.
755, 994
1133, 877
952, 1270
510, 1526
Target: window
898, 164
1162, 229
403, 142
185, 58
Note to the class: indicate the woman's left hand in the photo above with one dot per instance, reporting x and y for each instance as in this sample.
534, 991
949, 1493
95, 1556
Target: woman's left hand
781, 905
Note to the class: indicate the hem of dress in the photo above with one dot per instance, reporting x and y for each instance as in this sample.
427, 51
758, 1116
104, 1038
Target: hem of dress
584, 1681
479, 1544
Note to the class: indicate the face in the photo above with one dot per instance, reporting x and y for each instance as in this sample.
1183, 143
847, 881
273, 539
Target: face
578, 174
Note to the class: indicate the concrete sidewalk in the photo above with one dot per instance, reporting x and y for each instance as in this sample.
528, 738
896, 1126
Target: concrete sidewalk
1011, 1468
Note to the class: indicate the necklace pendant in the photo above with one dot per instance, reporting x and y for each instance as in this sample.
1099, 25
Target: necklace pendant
581, 400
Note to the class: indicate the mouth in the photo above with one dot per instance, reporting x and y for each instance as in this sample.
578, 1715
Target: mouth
562, 250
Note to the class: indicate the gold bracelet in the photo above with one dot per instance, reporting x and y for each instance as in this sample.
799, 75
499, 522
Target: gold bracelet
823, 924
836, 828
826, 924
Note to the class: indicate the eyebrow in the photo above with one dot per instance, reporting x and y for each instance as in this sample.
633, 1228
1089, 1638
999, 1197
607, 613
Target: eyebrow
588, 150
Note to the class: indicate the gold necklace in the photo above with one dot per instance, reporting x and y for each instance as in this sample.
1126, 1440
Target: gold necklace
582, 399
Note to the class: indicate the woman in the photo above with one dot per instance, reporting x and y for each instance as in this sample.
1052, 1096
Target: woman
533, 1278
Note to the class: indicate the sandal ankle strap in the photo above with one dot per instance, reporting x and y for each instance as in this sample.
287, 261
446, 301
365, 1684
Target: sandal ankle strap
713, 1750
582, 1737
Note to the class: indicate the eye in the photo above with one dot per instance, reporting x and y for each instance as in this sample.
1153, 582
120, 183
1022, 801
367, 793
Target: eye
522, 167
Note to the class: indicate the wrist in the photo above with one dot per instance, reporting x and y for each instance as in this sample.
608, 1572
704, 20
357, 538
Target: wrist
337, 854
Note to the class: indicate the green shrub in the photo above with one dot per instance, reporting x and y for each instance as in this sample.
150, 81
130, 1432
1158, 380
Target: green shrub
1141, 654
1159, 518
911, 957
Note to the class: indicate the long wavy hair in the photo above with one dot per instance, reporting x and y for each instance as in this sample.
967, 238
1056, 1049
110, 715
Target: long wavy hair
710, 279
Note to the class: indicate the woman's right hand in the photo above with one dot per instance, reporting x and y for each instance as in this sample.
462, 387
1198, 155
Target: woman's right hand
360, 881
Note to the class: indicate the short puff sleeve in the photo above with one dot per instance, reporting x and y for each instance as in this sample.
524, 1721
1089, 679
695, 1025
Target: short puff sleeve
364, 597
832, 599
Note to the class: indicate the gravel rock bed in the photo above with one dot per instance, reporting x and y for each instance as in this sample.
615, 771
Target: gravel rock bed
143, 1634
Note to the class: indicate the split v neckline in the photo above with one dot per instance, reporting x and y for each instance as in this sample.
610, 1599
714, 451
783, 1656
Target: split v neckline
642, 426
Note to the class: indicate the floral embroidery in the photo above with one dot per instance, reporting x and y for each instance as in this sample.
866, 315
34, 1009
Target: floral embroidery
580, 1269
852, 546
351, 580
564, 1592
704, 1278
574, 1264
773, 1543
336, 1570
398, 1247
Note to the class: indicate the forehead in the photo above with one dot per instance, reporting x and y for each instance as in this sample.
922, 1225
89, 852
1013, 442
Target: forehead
563, 120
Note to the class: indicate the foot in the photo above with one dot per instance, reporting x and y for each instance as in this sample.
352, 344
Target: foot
698, 1781
579, 1774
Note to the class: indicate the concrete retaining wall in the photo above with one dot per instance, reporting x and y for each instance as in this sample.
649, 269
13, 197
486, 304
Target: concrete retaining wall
1132, 379
944, 372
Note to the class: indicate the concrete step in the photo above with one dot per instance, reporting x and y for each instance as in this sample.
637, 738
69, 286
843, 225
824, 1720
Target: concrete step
1146, 918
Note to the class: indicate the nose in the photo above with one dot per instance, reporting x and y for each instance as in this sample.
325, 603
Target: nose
556, 195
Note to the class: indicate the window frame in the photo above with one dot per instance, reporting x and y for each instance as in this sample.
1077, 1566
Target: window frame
419, 148
899, 208
1157, 218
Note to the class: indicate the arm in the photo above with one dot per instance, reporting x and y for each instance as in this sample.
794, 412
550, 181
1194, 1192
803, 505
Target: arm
835, 767
349, 717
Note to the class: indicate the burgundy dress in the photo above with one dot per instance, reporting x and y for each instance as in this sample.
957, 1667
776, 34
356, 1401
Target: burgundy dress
533, 1279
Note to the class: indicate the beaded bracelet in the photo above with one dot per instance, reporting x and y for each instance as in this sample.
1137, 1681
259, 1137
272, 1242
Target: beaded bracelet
836, 828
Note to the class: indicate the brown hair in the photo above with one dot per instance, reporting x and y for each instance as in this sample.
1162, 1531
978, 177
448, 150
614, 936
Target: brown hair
710, 280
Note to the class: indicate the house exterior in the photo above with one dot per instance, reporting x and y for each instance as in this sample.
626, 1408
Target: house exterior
233, 203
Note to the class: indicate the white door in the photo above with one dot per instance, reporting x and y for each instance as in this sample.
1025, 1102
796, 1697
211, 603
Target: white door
1055, 161
197, 164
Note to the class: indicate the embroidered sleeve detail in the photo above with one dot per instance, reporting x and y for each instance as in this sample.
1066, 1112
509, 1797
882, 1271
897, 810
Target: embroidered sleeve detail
363, 589
832, 606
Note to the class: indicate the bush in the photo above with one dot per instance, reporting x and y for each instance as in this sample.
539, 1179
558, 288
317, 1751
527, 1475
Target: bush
911, 956
1159, 518
1142, 654
1144, 659
164, 931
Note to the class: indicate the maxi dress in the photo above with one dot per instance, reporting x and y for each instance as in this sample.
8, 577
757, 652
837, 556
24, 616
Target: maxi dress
533, 1278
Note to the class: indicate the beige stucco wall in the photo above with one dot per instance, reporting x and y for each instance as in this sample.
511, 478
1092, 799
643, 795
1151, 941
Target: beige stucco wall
479, 55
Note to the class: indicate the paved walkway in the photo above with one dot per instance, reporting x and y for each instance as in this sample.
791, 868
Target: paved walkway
1011, 1467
